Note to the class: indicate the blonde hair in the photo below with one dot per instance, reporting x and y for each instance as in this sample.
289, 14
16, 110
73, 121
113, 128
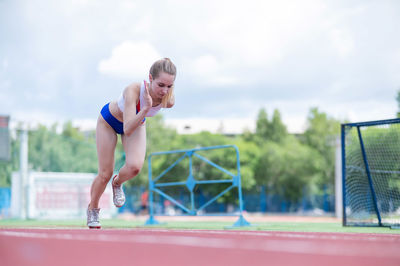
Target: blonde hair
164, 65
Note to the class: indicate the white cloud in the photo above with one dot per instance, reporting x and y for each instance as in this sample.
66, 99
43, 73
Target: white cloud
216, 125
342, 42
261, 33
34, 118
206, 70
5, 64
290, 55
206, 64
130, 60
253, 37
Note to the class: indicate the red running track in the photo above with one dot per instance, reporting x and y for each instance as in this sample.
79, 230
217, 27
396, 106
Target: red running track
150, 247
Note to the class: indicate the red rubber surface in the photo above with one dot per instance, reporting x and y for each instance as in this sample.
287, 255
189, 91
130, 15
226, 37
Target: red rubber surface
58, 247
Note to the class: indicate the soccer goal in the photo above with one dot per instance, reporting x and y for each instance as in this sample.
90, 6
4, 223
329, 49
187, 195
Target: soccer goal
48, 195
371, 173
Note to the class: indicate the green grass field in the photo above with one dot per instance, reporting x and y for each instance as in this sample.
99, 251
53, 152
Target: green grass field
334, 227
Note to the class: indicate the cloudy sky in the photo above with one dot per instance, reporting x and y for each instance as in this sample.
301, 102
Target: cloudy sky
63, 60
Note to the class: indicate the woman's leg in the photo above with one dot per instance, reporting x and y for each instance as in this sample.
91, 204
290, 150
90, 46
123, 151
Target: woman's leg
135, 151
106, 140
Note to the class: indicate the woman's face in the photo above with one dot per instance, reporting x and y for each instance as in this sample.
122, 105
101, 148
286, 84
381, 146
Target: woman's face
162, 84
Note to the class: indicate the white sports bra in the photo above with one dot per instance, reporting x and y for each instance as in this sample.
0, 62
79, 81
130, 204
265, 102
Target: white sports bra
153, 110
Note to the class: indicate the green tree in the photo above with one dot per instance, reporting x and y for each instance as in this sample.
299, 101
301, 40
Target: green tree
7, 167
262, 125
287, 168
278, 131
273, 130
249, 154
321, 134
69, 151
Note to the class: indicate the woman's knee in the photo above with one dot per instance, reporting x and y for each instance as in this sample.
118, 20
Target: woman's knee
133, 169
105, 176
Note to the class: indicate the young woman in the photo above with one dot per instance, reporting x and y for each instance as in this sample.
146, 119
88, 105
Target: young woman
126, 117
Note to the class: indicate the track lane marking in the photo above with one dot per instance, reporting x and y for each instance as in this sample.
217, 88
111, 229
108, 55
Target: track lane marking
297, 246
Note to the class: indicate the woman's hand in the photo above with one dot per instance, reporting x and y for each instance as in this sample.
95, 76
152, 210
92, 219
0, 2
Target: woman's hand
148, 101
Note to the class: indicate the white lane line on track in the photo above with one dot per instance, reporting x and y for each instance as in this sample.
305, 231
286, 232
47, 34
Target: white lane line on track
267, 245
372, 237
295, 235
307, 235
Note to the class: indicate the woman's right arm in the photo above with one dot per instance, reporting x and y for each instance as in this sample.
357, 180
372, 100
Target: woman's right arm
131, 119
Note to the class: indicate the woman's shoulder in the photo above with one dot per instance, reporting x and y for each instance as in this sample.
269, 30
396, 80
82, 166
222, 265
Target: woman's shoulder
135, 86
132, 89
131, 93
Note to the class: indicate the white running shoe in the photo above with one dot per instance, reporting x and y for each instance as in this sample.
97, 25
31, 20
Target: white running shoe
118, 194
93, 218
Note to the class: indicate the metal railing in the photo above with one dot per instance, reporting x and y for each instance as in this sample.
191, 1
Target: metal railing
191, 182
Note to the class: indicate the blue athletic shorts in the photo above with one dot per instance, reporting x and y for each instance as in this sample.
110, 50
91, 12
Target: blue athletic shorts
117, 125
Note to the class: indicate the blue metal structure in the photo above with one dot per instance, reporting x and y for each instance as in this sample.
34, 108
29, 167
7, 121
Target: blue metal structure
191, 182
5, 201
362, 195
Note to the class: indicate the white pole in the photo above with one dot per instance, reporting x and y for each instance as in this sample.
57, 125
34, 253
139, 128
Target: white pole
23, 168
338, 180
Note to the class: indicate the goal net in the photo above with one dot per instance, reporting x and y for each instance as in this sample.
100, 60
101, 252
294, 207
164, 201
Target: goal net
371, 173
